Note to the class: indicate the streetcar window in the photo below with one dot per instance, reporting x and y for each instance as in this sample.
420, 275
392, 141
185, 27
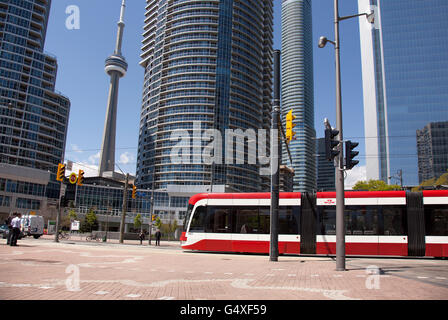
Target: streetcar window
327, 220
288, 220
197, 223
219, 220
265, 221
247, 220
394, 220
436, 220
361, 220
187, 216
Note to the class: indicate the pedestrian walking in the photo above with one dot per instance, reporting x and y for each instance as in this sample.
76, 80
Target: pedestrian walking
158, 236
8, 223
141, 236
15, 223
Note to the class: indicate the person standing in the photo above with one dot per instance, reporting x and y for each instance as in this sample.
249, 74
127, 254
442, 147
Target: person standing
15, 223
141, 236
158, 236
8, 223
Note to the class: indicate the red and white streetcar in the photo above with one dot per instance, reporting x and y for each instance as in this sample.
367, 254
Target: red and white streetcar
396, 223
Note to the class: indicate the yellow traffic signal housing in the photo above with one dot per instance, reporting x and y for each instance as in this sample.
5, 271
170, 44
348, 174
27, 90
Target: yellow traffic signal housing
153, 217
289, 125
134, 192
80, 177
61, 172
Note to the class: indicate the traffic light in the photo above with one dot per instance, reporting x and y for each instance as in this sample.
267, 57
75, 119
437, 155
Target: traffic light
289, 125
61, 172
134, 192
153, 217
80, 177
331, 143
349, 154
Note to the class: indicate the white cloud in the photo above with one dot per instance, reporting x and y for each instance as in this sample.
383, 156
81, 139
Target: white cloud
356, 174
94, 159
126, 158
76, 149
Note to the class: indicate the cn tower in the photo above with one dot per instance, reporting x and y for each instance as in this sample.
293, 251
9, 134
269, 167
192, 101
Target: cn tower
116, 67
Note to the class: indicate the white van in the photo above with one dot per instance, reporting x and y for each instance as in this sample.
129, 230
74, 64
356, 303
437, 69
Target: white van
32, 226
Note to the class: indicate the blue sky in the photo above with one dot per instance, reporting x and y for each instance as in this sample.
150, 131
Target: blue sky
81, 77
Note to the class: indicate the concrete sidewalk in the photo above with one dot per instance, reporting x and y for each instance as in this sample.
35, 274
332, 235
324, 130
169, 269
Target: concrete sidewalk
80, 239
45, 270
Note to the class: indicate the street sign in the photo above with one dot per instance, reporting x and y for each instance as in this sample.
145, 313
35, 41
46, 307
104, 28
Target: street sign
73, 178
75, 226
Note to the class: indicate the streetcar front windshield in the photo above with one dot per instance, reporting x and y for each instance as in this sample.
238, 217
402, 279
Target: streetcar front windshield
187, 216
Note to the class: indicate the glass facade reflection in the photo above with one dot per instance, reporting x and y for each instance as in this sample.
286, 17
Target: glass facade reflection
408, 72
33, 116
207, 62
432, 147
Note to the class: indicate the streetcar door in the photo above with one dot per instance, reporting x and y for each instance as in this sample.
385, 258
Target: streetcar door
308, 217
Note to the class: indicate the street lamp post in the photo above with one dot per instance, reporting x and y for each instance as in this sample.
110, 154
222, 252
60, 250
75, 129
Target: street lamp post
123, 212
340, 205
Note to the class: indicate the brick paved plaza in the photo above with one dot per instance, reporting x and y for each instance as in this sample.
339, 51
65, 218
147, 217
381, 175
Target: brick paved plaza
75, 270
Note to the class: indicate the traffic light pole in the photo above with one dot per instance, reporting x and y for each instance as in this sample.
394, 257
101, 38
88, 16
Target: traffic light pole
340, 204
123, 212
58, 217
275, 161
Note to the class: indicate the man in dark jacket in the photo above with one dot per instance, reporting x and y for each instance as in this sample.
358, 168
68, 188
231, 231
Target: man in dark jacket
158, 236
8, 222
141, 236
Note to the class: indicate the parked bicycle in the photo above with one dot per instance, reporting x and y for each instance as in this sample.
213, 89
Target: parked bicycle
93, 237
64, 236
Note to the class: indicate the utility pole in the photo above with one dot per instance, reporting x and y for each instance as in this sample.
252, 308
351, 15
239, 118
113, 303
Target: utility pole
340, 202
275, 161
58, 217
339, 159
123, 212
60, 176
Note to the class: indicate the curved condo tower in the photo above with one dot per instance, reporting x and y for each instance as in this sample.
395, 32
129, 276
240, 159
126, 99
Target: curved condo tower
298, 90
207, 64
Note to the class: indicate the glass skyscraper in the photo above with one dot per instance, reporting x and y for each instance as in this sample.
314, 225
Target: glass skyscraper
298, 90
33, 116
207, 64
405, 81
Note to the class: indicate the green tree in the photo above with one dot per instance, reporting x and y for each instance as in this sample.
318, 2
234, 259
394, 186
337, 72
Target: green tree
91, 220
168, 229
375, 185
158, 222
138, 221
72, 214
